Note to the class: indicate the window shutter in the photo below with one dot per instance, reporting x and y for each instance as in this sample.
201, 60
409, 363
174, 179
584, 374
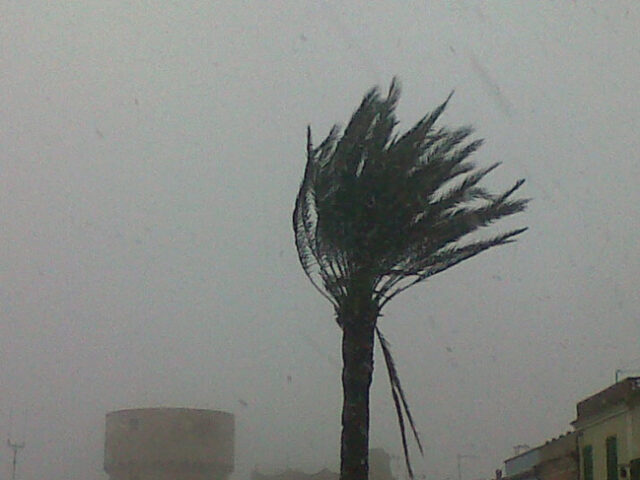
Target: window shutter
612, 458
587, 462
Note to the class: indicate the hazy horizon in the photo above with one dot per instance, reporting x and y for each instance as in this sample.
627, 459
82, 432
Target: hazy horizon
151, 158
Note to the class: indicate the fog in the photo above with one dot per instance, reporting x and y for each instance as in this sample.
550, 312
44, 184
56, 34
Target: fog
151, 154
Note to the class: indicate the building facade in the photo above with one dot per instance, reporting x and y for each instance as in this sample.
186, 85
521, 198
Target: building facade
605, 443
608, 426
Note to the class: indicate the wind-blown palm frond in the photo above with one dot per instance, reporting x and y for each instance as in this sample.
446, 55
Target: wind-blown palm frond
399, 400
378, 212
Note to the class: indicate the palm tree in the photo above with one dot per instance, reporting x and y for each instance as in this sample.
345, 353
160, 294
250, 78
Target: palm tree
377, 213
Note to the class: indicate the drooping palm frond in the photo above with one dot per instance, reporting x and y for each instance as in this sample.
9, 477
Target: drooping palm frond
389, 211
399, 400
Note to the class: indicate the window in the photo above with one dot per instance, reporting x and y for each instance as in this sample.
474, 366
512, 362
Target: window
612, 458
635, 469
587, 462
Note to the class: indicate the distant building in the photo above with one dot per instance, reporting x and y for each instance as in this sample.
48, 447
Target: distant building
380, 465
556, 459
291, 474
559, 458
522, 466
379, 469
608, 426
169, 444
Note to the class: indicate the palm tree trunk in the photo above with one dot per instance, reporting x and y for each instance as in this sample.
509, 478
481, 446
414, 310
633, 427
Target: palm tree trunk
357, 372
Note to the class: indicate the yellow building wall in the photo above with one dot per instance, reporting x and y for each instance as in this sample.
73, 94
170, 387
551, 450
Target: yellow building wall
622, 423
635, 429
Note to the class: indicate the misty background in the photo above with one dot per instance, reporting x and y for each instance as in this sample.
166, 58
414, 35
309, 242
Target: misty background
150, 156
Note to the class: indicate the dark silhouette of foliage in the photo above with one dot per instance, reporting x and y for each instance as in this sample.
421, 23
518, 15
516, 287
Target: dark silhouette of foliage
377, 213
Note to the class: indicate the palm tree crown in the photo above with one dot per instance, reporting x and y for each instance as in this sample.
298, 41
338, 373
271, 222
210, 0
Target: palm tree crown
378, 212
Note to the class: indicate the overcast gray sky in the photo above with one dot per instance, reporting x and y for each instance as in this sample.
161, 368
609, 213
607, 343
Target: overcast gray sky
151, 153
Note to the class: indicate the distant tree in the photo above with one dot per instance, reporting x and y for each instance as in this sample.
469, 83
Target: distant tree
377, 213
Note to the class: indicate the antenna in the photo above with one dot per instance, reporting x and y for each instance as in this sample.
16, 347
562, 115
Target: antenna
621, 373
15, 446
459, 458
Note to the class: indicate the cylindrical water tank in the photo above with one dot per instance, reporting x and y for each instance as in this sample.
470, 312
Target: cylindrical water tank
169, 443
